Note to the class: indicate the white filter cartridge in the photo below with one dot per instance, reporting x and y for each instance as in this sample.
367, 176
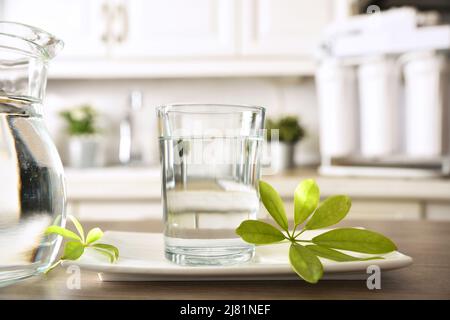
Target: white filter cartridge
426, 99
337, 95
379, 82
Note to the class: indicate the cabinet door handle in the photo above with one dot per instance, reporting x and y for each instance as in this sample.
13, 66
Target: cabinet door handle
107, 16
122, 14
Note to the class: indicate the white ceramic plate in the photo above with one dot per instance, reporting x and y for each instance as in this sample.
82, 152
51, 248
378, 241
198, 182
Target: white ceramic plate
142, 259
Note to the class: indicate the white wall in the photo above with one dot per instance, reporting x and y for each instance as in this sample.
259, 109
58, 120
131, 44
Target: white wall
110, 98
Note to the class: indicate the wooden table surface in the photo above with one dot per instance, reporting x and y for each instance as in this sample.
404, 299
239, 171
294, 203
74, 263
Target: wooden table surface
427, 278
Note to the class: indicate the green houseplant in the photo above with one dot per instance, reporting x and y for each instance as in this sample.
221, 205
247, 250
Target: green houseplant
81, 120
84, 147
289, 132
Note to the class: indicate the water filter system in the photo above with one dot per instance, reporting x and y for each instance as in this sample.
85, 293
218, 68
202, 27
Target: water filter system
383, 90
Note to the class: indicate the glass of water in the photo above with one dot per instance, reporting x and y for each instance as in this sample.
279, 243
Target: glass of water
210, 158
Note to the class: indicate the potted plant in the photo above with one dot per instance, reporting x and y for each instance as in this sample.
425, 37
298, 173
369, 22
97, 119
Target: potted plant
84, 147
290, 132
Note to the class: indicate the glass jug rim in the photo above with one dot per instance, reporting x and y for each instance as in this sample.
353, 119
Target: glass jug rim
208, 108
32, 41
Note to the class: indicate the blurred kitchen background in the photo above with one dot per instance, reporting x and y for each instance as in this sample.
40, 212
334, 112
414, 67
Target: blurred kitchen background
361, 88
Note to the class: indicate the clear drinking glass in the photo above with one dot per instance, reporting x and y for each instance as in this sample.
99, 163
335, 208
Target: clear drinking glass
32, 192
210, 156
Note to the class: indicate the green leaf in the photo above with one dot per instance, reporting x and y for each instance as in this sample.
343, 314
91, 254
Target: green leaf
358, 240
62, 232
72, 250
273, 203
258, 232
78, 226
94, 235
335, 255
305, 263
330, 212
306, 199
106, 253
107, 247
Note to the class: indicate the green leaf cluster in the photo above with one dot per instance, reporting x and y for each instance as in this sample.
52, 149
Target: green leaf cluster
80, 120
310, 214
289, 129
78, 242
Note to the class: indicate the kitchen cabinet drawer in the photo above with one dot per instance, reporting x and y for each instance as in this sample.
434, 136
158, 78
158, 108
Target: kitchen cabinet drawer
177, 38
361, 209
370, 209
438, 211
385, 210
116, 210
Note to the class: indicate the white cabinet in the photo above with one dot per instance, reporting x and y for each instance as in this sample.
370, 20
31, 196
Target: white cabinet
122, 209
154, 28
372, 209
79, 23
178, 38
124, 193
283, 27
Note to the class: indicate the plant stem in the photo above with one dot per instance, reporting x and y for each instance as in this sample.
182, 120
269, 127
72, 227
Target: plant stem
295, 228
289, 235
298, 234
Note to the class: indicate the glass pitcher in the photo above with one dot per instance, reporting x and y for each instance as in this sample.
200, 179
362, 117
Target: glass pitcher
32, 192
